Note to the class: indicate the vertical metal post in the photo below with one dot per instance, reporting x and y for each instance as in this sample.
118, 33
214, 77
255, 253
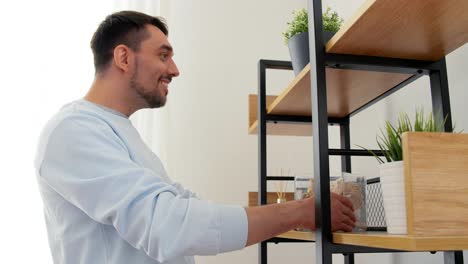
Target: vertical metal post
262, 159
440, 94
349, 258
262, 253
345, 143
441, 110
453, 257
320, 134
262, 150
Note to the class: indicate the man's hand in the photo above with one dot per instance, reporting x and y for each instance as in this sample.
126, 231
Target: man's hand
342, 216
271, 220
342, 213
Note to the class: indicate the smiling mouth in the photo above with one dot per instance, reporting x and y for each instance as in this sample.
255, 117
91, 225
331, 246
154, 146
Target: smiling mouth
166, 80
165, 86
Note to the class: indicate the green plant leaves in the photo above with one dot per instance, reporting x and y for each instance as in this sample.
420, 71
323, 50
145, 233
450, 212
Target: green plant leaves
331, 22
389, 140
298, 25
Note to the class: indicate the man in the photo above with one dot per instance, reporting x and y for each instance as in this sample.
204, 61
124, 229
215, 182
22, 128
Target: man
107, 198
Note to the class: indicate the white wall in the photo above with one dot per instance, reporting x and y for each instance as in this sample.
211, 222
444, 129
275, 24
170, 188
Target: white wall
46, 62
204, 140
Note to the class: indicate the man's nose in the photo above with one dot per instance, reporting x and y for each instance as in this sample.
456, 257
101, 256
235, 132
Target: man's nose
173, 70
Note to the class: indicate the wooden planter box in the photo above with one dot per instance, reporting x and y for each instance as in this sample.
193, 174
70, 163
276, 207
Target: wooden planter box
436, 183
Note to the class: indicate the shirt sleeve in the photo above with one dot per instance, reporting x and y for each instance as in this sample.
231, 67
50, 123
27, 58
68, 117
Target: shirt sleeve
184, 192
89, 165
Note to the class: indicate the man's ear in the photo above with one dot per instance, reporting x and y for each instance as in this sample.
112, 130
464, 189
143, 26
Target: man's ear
123, 57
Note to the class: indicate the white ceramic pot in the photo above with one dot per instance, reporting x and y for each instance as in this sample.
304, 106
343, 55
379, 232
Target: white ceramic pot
392, 181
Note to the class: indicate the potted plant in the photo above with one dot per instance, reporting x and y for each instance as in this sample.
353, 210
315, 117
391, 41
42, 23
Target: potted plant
391, 165
296, 35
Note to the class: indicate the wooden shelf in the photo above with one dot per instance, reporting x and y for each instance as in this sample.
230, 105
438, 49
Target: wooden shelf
347, 91
384, 240
422, 30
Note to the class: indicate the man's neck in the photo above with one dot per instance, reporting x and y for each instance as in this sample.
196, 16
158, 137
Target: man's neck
112, 95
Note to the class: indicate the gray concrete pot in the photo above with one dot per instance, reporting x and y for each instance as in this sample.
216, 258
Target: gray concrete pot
299, 49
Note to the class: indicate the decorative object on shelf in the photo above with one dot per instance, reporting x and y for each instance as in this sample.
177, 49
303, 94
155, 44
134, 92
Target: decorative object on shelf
349, 185
281, 200
297, 37
281, 187
354, 188
391, 167
392, 182
336, 184
375, 215
303, 187
281, 191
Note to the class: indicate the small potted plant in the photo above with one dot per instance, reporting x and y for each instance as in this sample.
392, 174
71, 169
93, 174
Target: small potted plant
389, 141
297, 37
391, 165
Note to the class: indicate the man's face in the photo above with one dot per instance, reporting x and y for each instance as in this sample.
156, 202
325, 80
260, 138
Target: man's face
154, 68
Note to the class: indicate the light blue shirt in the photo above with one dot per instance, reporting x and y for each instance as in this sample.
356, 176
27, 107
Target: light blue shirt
108, 199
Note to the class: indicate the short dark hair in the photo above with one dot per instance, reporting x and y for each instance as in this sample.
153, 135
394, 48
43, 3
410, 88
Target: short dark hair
124, 27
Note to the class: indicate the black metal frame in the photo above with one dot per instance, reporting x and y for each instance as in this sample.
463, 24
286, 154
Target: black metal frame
345, 151
437, 72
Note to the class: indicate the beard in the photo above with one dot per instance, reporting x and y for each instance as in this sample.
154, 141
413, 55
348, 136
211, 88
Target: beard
151, 96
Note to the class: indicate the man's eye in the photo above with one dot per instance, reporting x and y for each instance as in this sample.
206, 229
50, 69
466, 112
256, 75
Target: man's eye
164, 56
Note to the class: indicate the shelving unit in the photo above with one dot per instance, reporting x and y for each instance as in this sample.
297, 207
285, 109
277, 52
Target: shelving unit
364, 62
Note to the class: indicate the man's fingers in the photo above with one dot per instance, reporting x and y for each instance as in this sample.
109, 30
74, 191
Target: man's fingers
343, 213
348, 212
343, 226
348, 221
344, 207
346, 202
346, 228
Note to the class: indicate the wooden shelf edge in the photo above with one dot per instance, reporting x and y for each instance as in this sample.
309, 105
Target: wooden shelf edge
303, 74
387, 241
427, 30
284, 129
299, 235
402, 242
253, 128
364, 8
